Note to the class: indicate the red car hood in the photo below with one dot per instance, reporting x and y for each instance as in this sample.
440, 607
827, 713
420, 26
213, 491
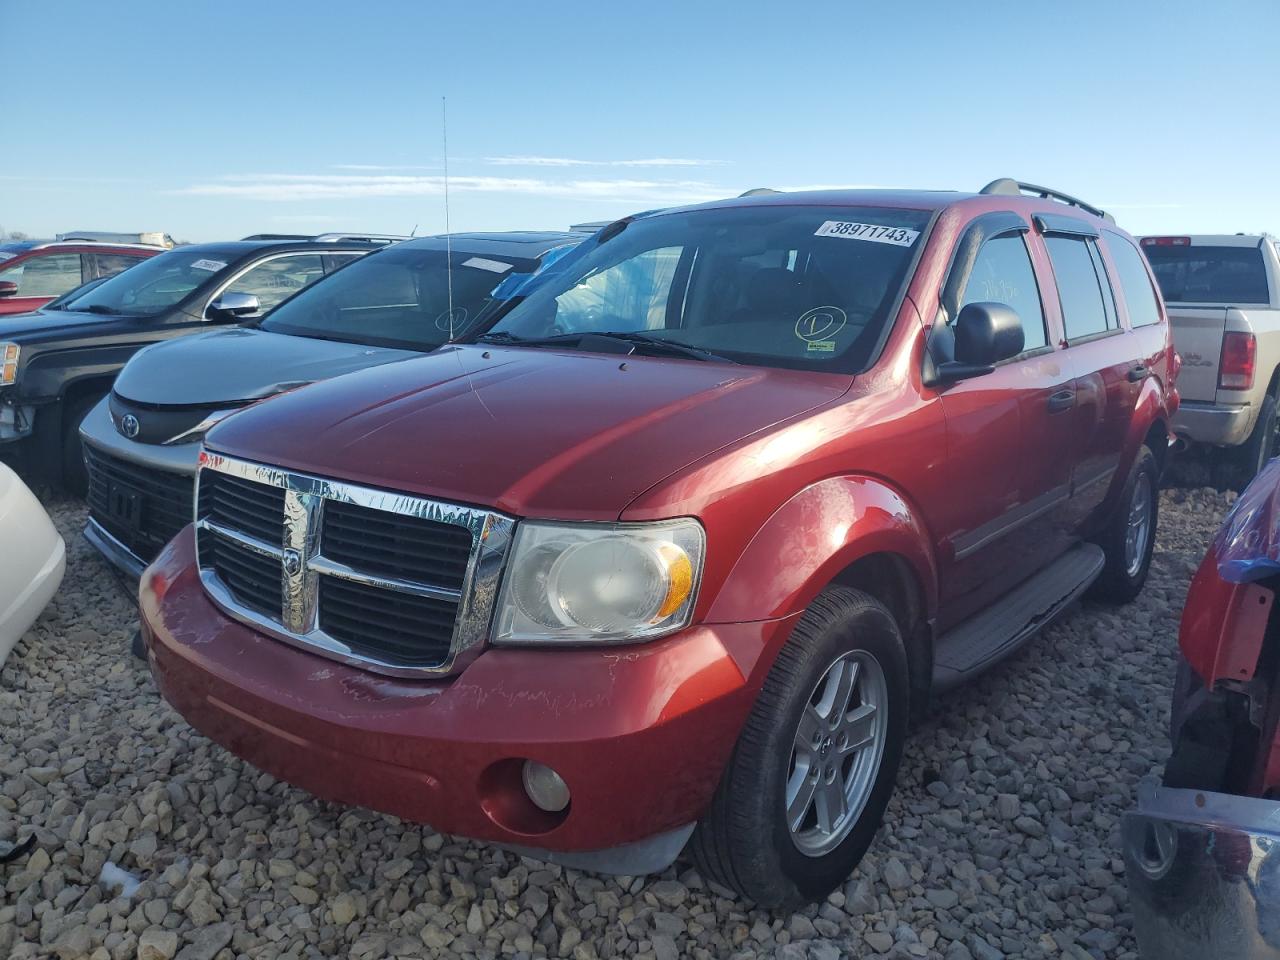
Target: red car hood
531, 432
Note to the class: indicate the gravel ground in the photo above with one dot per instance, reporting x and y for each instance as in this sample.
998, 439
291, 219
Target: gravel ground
1001, 841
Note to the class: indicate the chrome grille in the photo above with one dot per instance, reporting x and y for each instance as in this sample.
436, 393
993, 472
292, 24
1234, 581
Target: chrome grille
393, 583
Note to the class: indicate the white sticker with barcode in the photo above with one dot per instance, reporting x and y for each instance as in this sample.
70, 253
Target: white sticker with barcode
898, 236
213, 266
480, 263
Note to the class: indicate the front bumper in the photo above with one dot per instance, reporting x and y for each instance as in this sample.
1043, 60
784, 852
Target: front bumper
1204, 875
140, 494
34, 560
640, 733
1220, 424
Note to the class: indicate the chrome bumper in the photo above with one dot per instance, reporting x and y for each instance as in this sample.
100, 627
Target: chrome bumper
1204, 875
1221, 424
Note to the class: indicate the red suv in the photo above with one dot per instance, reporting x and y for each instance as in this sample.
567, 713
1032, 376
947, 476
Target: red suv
34, 273
672, 552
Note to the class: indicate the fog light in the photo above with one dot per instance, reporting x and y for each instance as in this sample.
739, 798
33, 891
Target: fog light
545, 787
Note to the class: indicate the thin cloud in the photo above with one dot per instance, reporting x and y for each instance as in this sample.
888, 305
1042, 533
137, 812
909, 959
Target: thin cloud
1144, 206
834, 186
527, 161
382, 167
303, 187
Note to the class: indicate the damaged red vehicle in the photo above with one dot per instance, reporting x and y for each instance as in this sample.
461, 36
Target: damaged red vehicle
671, 552
1202, 850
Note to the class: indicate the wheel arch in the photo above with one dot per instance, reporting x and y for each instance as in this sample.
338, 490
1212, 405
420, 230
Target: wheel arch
856, 531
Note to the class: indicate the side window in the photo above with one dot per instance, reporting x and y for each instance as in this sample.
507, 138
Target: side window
337, 260
1002, 273
1104, 284
50, 276
636, 291
272, 281
109, 264
1084, 312
1140, 298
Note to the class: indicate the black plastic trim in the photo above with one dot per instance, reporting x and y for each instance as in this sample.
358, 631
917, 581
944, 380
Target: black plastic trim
1049, 223
966, 544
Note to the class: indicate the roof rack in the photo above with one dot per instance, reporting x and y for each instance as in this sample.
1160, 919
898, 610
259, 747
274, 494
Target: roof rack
1008, 187
153, 238
381, 238
758, 192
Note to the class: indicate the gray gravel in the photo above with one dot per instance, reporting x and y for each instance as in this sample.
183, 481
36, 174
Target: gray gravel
1000, 842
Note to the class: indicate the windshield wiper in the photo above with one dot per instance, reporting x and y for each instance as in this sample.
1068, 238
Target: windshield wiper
629, 338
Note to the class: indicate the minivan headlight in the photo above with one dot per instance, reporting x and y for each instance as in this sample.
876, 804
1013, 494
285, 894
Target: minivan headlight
9, 363
599, 582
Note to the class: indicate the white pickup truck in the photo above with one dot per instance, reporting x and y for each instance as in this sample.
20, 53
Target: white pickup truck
1222, 293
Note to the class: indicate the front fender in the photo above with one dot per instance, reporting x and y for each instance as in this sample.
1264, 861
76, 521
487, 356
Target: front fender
815, 535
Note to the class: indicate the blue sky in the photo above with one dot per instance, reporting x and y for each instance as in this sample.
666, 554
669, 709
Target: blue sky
213, 120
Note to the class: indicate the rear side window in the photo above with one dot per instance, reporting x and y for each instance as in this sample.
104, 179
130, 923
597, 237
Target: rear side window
1080, 288
1134, 281
47, 276
109, 264
1002, 273
1196, 274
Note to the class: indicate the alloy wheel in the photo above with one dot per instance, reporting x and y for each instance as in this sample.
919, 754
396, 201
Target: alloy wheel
836, 753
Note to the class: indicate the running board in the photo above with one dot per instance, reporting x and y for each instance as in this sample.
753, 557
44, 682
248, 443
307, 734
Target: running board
988, 637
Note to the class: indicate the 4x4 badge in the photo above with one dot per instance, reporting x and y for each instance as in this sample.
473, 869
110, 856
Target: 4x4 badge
130, 426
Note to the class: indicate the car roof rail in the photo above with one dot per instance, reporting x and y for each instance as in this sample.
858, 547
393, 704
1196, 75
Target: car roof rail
361, 237
758, 192
591, 226
1008, 187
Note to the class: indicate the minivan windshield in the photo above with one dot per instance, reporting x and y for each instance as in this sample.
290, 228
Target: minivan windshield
1205, 274
155, 284
805, 287
399, 297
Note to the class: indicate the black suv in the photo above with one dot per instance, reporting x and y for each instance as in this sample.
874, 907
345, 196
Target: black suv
57, 362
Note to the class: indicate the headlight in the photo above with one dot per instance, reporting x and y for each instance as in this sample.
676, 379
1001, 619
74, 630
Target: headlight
9, 363
599, 582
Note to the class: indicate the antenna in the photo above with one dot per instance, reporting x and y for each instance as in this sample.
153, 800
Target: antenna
448, 241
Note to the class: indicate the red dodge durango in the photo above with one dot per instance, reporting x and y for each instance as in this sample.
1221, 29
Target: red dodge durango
671, 553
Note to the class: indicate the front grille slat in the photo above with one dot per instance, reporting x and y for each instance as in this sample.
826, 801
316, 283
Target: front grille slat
166, 502
381, 538
396, 545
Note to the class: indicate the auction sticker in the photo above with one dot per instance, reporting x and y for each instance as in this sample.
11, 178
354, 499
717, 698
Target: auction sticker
898, 236
482, 263
213, 266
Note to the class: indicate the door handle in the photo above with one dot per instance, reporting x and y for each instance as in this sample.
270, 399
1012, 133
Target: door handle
1138, 372
1062, 400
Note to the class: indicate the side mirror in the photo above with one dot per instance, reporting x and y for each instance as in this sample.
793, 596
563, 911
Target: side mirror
231, 305
985, 334
8, 288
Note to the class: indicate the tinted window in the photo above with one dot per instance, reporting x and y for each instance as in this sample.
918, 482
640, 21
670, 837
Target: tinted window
109, 264
275, 280
1134, 281
397, 298
789, 286
49, 276
1083, 312
1002, 273
1209, 274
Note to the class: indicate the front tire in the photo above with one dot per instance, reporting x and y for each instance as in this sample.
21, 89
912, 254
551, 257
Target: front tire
810, 777
1130, 536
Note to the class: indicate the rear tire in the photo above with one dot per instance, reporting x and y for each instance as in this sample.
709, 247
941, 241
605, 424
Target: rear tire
75, 475
805, 790
1262, 445
1129, 538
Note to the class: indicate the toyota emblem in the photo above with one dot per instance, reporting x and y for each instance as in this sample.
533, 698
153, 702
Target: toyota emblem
292, 563
129, 425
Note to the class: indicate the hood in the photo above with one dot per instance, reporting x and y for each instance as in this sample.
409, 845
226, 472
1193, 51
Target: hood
236, 364
44, 322
530, 432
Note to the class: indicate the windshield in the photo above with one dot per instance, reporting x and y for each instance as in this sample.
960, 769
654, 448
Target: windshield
153, 285
399, 297
790, 286
1203, 274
